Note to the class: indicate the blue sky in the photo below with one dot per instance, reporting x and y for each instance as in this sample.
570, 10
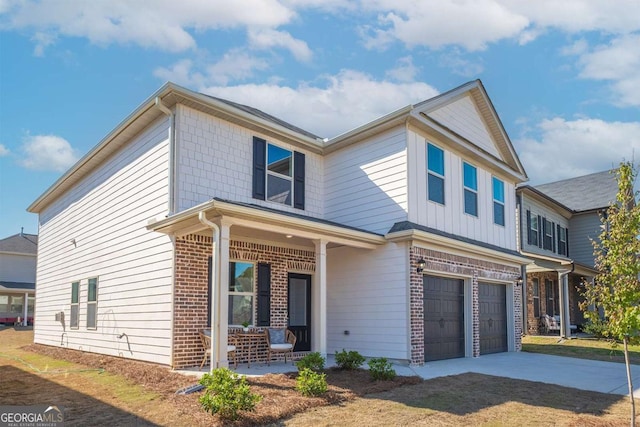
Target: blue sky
563, 76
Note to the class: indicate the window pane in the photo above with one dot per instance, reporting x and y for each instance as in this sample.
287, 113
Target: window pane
16, 304
242, 273
75, 286
91, 316
279, 160
279, 189
240, 309
470, 176
4, 303
297, 302
73, 322
498, 213
470, 202
30, 305
93, 288
435, 159
498, 190
436, 189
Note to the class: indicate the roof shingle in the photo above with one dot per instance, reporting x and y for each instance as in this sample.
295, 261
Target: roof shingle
584, 193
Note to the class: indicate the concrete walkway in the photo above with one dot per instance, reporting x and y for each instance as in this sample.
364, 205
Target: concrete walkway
592, 375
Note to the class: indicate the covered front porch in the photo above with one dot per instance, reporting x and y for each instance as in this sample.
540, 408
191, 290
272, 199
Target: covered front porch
237, 263
554, 289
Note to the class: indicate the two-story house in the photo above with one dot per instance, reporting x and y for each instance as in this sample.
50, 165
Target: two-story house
558, 223
395, 239
18, 278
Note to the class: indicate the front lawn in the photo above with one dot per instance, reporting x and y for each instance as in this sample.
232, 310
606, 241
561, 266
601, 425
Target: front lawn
583, 348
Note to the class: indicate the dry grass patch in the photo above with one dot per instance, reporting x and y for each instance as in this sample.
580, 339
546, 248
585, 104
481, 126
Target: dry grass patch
582, 348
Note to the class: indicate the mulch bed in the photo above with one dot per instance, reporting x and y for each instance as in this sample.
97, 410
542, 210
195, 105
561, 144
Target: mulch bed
279, 396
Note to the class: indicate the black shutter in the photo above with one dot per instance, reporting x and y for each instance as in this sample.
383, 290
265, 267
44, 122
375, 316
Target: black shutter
298, 180
259, 167
209, 293
566, 236
264, 295
553, 236
528, 227
540, 232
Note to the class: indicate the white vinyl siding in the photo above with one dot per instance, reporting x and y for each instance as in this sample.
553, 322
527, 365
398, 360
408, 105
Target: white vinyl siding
450, 217
462, 117
367, 295
98, 229
215, 159
371, 174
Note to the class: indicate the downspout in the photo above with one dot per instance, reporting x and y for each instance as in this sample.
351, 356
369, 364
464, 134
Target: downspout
215, 322
172, 156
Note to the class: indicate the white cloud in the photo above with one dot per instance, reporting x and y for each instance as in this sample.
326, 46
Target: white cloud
617, 62
455, 61
162, 24
269, 38
568, 148
4, 151
405, 70
342, 102
47, 153
42, 41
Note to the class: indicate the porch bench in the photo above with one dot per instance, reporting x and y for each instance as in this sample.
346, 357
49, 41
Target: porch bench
552, 323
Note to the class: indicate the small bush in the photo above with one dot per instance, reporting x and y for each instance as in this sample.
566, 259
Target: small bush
380, 369
226, 394
313, 361
597, 328
311, 383
349, 360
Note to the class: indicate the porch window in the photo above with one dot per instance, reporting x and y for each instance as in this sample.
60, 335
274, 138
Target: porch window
552, 298
470, 178
4, 303
536, 298
435, 174
241, 293
74, 322
92, 304
498, 201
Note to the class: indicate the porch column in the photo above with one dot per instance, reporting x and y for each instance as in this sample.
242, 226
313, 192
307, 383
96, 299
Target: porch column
25, 309
563, 293
223, 301
319, 298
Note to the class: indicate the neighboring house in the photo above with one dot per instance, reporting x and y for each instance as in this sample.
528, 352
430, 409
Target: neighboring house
558, 222
18, 278
395, 239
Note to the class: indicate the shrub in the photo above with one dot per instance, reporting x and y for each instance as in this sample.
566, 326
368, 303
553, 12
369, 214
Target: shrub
313, 361
311, 383
380, 369
349, 360
595, 328
226, 394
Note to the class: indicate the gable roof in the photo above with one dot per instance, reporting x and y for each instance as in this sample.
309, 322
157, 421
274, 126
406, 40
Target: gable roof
584, 193
20, 243
490, 143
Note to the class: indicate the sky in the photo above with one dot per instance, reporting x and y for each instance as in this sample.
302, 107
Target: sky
564, 76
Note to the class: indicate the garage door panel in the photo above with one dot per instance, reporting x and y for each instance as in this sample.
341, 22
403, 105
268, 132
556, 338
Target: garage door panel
443, 318
493, 318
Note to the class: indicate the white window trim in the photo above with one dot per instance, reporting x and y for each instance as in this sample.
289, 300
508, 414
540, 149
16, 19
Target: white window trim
503, 203
95, 303
278, 175
75, 304
252, 294
464, 187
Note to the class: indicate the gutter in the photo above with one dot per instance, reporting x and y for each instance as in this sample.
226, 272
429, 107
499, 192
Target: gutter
215, 300
172, 152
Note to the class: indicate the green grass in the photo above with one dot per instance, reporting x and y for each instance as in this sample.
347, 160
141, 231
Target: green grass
582, 348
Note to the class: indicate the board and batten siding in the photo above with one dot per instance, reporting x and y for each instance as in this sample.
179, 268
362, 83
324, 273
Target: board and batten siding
98, 229
462, 117
366, 183
17, 268
215, 159
543, 211
451, 217
582, 229
367, 295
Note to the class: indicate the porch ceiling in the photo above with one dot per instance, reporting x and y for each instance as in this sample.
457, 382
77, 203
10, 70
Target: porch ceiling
255, 222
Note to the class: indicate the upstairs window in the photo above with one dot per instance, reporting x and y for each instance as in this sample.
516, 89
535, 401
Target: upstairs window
92, 304
548, 233
562, 241
470, 184
498, 201
278, 174
435, 175
74, 322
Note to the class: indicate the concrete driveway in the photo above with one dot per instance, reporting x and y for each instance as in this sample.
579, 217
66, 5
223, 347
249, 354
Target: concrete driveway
593, 375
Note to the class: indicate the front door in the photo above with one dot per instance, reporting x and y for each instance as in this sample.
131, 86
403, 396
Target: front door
299, 305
